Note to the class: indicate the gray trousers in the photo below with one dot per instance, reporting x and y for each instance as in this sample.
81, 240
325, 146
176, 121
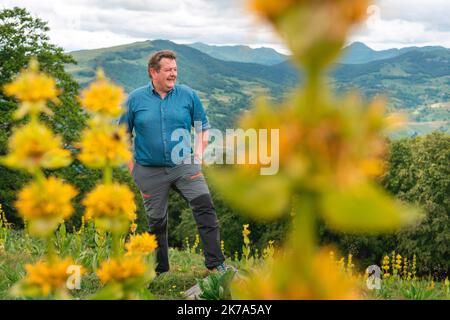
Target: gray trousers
187, 179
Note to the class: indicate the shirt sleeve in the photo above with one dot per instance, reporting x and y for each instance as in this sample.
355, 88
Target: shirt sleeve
199, 115
127, 116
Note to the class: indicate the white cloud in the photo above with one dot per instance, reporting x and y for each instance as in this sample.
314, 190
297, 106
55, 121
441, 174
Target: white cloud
403, 23
87, 24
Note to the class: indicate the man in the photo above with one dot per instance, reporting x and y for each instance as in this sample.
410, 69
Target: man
154, 112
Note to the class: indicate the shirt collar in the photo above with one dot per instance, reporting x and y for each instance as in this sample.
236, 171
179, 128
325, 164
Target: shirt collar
152, 89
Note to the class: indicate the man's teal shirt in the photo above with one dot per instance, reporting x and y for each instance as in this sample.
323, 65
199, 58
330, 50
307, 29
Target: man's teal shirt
154, 119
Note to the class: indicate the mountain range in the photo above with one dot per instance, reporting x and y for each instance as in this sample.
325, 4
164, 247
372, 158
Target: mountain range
227, 78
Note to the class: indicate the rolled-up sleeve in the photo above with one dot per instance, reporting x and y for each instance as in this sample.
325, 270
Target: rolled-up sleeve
199, 114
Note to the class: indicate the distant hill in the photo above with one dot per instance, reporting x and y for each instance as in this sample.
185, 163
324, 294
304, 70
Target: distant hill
415, 80
265, 56
358, 52
355, 53
127, 66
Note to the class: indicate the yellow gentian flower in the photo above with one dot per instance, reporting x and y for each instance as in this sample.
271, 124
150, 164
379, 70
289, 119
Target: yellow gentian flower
35, 146
47, 277
103, 97
141, 244
104, 146
32, 85
120, 270
44, 204
112, 206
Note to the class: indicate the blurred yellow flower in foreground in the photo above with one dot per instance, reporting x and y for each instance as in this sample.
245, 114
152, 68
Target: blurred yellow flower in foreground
324, 25
343, 141
285, 278
352, 10
32, 85
122, 269
112, 206
103, 97
44, 204
141, 244
45, 278
333, 149
34, 146
104, 146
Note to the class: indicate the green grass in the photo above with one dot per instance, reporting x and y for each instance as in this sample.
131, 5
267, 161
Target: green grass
399, 289
187, 267
17, 249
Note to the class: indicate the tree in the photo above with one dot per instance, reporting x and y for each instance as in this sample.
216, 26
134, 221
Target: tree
22, 37
418, 173
426, 181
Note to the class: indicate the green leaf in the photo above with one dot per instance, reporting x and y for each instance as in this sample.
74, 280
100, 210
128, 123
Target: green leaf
263, 197
365, 208
112, 291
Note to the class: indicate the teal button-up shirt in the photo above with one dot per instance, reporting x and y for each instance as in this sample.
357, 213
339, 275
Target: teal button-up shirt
154, 119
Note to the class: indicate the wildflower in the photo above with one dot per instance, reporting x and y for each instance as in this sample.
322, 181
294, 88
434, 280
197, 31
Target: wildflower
385, 266
245, 231
413, 268
3, 221
45, 204
398, 262
110, 200
47, 278
34, 146
187, 244
103, 97
393, 263
385, 263
269, 251
350, 265
104, 146
133, 227
32, 86
141, 244
122, 269
196, 243
405, 267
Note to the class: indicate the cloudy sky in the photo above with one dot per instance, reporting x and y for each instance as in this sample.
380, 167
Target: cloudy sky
88, 24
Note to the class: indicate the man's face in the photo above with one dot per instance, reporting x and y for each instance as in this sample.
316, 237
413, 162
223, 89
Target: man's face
165, 78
